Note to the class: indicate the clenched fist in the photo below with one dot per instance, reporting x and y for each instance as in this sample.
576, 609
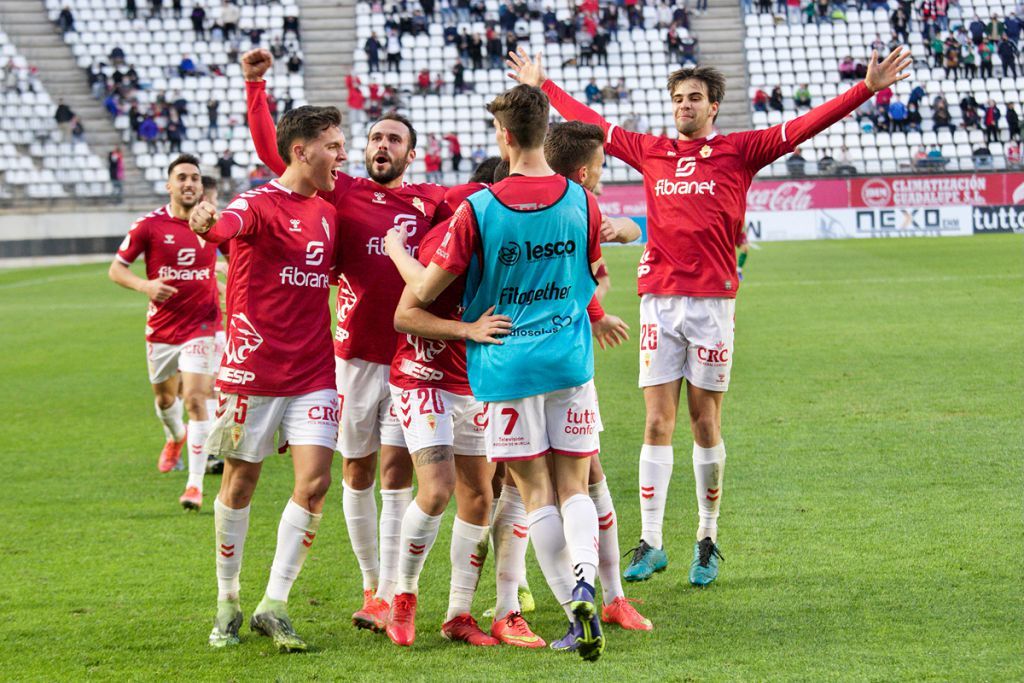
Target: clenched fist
255, 63
203, 217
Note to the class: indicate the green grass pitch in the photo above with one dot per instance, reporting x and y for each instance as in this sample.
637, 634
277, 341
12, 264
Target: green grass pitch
871, 517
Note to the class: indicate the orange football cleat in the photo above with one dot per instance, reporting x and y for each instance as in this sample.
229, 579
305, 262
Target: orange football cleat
463, 628
374, 614
402, 622
512, 629
192, 499
621, 612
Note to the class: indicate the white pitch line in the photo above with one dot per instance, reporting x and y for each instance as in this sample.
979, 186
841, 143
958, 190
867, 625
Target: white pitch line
47, 280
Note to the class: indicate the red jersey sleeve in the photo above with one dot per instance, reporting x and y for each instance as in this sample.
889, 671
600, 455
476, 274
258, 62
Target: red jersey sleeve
459, 245
621, 144
134, 243
261, 126
240, 218
762, 147
593, 229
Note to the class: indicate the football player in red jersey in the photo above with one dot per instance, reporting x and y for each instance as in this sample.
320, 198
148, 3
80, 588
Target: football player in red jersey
276, 374
365, 338
182, 320
696, 188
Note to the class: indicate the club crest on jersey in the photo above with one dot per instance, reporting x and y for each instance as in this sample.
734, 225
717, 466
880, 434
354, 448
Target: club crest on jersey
168, 239
243, 339
418, 203
379, 198
426, 349
296, 225
705, 151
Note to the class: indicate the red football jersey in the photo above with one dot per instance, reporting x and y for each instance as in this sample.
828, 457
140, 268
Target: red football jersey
696, 191
526, 193
279, 290
435, 363
369, 285
172, 250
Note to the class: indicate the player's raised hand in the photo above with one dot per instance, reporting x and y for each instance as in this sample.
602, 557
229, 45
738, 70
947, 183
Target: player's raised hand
203, 217
525, 70
255, 63
489, 327
394, 241
610, 331
882, 74
158, 290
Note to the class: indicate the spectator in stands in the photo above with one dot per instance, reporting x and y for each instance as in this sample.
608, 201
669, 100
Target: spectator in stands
760, 101
187, 67
900, 24
847, 68
775, 101
982, 156
117, 56
952, 64
277, 49
1013, 27
995, 29
1012, 153
494, 54
916, 95
355, 100
673, 44
919, 159
174, 134
391, 100
764, 6
199, 22
610, 19
600, 47
110, 104
622, 91
593, 93
1008, 53
176, 6
459, 77
796, 163
609, 93
977, 30
66, 21
689, 50
423, 82
969, 60
511, 42
941, 117
131, 10
432, 162
844, 163
985, 51
115, 169
213, 118
77, 130
898, 114
802, 96
476, 52
225, 166
156, 8
968, 102
290, 24
149, 132
229, 16
935, 158
294, 63
809, 11
914, 120
992, 116
970, 118
883, 122
1013, 121
372, 50
822, 11
826, 164
63, 116
454, 150
394, 50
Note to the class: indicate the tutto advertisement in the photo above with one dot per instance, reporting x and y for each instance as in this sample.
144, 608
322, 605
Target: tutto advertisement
884, 206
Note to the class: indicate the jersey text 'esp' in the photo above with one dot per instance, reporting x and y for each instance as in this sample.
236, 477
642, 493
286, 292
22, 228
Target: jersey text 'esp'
279, 287
173, 251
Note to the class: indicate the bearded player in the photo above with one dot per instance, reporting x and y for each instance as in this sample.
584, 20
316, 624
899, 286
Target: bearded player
365, 338
276, 376
696, 188
182, 320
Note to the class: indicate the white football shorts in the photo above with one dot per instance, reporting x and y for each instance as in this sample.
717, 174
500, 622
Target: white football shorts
220, 340
435, 417
165, 360
368, 419
245, 426
684, 336
564, 422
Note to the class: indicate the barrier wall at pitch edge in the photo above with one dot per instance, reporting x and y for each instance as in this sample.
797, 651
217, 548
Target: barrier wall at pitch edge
885, 206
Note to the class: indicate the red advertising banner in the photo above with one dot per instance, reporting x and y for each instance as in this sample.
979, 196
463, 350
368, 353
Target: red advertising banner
972, 189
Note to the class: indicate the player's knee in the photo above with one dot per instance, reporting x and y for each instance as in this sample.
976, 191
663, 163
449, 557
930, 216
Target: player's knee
659, 426
165, 399
433, 498
358, 474
705, 428
310, 492
195, 406
396, 474
236, 490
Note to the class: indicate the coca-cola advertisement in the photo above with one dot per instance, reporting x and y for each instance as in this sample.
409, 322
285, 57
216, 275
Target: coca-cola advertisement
797, 195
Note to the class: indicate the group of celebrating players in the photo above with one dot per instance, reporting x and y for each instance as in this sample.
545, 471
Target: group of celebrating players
463, 349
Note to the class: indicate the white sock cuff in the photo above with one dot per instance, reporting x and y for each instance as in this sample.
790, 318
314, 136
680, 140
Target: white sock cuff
470, 531
657, 454
358, 493
708, 456
397, 494
300, 517
575, 500
511, 494
230, 514
416, 510
542, 513
599, 489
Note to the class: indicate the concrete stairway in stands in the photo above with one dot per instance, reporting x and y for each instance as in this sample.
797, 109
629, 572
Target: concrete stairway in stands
720, 32
328, 39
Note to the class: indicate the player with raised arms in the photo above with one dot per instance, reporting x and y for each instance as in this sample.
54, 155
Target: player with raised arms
182, 320
276, 376
696, 188
528, 246
365, 337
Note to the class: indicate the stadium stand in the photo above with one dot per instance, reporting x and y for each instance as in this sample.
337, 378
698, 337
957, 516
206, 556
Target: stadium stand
171, 67
40, 159
812, 48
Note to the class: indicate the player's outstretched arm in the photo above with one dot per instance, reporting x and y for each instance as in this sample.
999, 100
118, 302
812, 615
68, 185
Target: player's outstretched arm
411, 317
211, 225
156, 290
255, 64
610, 331
620, 230
426, 283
